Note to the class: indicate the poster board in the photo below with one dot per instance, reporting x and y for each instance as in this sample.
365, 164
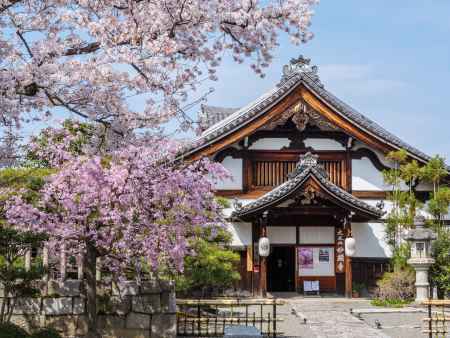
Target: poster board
315, 261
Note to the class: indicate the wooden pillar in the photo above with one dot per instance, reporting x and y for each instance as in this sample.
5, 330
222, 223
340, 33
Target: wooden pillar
252, 273
263, 260
348, 277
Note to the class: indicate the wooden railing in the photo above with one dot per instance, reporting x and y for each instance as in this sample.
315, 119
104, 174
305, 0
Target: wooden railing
211, 317
437, 323
272, 173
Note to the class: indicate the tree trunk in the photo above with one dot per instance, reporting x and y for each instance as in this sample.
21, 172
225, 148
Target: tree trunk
3, 309
91, 290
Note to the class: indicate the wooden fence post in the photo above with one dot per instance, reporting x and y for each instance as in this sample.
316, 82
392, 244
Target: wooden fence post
28, 260
80, 272
98, 269
45, 262
63, 263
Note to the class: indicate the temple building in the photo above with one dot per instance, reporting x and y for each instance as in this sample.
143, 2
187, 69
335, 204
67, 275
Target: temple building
307, 173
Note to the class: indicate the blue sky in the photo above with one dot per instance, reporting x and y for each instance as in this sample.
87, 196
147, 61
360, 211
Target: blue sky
388, 59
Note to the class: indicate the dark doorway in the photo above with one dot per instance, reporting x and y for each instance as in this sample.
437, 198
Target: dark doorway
281, 269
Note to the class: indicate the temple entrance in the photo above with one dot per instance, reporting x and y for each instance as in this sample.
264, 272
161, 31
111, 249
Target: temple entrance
281, 269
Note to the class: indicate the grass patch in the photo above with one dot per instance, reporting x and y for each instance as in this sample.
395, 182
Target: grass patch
396, 303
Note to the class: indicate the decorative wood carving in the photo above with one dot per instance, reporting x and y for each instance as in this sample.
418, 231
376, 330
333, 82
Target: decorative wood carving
301, 115
310, 98
307, 196
297, 138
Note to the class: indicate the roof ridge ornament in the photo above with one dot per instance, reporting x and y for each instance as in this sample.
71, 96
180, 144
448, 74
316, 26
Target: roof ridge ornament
309, 161
303, 65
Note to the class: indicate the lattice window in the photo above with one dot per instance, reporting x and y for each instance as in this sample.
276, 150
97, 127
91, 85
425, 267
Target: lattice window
273, 173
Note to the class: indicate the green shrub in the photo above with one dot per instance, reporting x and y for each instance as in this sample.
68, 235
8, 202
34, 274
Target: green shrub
440, 270
389, 302
8, 330
396, 286
46, 333
358, 287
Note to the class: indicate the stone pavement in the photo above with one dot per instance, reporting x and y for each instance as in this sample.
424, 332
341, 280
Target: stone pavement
330, 317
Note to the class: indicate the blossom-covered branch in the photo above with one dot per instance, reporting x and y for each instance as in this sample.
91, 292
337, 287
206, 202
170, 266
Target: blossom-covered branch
88, 57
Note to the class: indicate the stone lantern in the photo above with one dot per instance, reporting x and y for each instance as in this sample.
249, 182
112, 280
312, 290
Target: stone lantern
421, 260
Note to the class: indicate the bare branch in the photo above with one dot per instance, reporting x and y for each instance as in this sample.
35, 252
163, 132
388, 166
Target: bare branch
8, 5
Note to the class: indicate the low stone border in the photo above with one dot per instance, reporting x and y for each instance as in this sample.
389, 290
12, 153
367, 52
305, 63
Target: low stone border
126, 310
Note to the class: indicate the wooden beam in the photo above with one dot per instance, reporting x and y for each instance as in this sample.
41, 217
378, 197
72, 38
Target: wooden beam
370, 194
239, 134
312, 100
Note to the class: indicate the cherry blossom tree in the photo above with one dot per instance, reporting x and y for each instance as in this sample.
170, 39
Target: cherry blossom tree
130, 205
92, 58
89, 57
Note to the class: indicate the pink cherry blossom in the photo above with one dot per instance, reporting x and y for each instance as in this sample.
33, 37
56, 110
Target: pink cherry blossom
89, 57
135, 202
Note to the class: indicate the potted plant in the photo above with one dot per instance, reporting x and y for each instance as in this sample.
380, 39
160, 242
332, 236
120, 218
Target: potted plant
357, 289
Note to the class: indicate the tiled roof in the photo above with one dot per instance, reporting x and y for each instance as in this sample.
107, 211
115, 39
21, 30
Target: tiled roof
294, 74
308, 166
210, 115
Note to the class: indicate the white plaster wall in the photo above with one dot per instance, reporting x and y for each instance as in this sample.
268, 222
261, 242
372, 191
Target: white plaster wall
366, 177
387, 205
270, 144
323, 144
316, 235
358, 145
241, 233
281, 235
424, 186
228, 211
234, 166
447, 216
370, 240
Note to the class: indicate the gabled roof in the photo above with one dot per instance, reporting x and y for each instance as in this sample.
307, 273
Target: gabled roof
297, 73
307, 168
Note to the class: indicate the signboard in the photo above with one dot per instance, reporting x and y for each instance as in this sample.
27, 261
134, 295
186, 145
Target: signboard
249, 258
311, 286
315, 261
324, 255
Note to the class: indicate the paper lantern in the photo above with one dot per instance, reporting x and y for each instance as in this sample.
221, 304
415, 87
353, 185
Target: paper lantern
350, 246
264, 247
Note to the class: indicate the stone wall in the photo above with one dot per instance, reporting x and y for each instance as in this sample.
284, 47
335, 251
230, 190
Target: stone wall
126, 310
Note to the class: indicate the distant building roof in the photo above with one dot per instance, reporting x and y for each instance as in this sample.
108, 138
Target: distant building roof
210, 115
